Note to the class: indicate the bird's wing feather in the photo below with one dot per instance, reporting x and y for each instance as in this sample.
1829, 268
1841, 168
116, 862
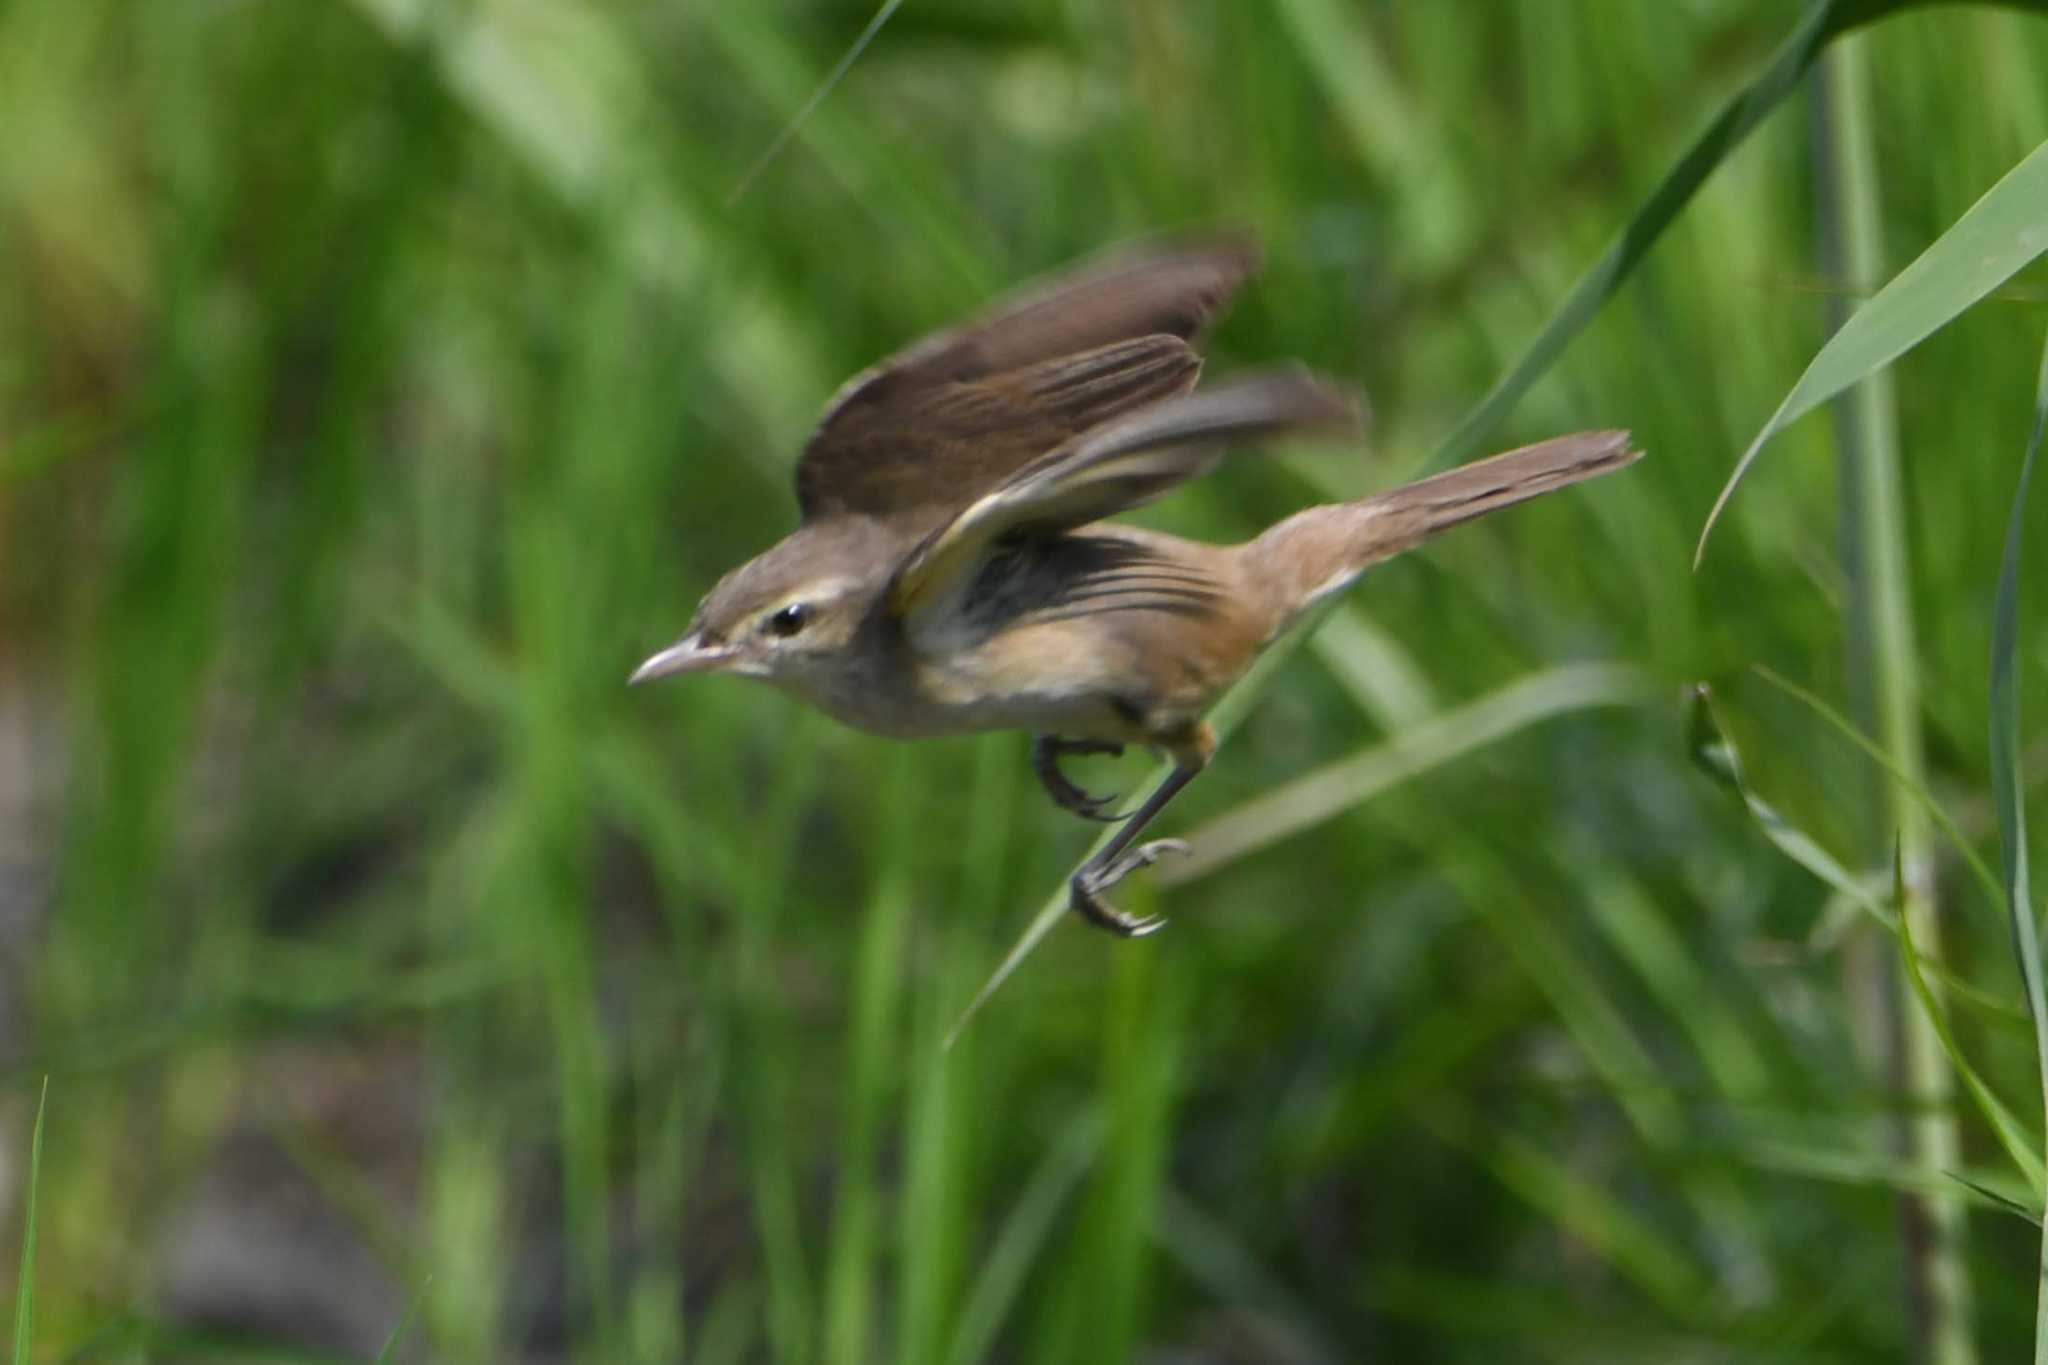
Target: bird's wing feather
875, 445
1120, 465
963, 437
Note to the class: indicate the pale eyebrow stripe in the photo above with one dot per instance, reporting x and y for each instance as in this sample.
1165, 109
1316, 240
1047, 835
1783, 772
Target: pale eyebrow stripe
810, 594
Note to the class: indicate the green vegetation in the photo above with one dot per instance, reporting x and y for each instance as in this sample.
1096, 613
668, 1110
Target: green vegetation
381, 379
25, 1265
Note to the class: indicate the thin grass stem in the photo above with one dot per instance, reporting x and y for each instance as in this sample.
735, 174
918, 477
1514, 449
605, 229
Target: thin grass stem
1882, 639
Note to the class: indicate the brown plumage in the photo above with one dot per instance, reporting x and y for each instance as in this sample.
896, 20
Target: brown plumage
953, 570
962, 408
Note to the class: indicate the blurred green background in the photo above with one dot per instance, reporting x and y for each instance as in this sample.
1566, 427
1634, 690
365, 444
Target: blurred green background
380, 381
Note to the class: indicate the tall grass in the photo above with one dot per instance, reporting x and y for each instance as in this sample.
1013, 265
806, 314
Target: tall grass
379, 381
1884, 659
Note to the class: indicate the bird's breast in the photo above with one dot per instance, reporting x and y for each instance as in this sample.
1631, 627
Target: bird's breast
1119, 675
1120, 637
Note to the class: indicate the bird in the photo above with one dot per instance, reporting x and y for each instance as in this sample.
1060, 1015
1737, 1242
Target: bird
954, 568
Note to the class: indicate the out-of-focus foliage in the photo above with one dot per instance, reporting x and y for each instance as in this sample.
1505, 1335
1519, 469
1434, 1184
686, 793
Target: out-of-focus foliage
379, 381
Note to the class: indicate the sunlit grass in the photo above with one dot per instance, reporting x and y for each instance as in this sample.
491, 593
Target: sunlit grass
379, 382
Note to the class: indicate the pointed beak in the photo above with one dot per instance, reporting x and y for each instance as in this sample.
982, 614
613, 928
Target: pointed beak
687, 655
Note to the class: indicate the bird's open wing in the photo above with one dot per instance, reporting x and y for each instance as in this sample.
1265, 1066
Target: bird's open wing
1117, 466
947, 418
955, 440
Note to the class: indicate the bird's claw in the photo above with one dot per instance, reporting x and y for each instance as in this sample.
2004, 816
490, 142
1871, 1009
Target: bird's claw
1065, 793
1087, 885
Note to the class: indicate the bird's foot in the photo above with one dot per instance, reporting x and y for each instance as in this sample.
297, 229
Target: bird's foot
1086, 888
1046, 752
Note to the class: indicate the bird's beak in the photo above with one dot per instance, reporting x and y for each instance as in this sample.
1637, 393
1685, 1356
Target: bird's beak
687, 655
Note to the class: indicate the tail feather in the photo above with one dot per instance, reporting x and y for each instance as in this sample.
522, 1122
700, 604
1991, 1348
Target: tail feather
1434, 504
1321, 550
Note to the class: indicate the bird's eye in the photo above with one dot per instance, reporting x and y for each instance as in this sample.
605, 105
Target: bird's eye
789, 620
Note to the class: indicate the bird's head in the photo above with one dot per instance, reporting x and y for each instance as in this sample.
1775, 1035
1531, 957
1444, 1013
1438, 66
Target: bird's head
788, 615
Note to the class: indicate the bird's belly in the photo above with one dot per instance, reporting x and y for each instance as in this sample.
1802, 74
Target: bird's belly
994, 685
1048, 679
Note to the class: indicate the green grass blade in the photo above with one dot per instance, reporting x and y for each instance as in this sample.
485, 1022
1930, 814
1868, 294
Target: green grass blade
2010, 1133
1337, 787
2006, 782
25, 1288
1324, 793
2004, 1203
1104, 1283
1023, 1234
1885, 657
1886, 1172
1943, 821
1714, 752
1731, 127
2001, 232
398, 1333
817, 97
1396, 135
1208, 1253
1639, 1252
852, 1261
2009, 794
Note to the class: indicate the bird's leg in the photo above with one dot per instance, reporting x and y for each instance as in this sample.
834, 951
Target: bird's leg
1046, 752
1191, 751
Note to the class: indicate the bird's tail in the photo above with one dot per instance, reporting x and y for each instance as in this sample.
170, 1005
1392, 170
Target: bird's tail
1323, 549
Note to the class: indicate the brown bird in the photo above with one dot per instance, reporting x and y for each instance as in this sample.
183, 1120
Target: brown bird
952, 571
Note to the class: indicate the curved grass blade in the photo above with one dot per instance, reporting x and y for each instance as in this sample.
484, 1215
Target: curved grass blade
2007, 788
2011, 1135
1715, 754
1781, 75
2010, 796
1336, 787
1821, 24
1882, 1172
25, 1286
2000, 233
1996, 1200
1026, 1230
1847, 729
412, 1310
825, 87
1640, 1253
